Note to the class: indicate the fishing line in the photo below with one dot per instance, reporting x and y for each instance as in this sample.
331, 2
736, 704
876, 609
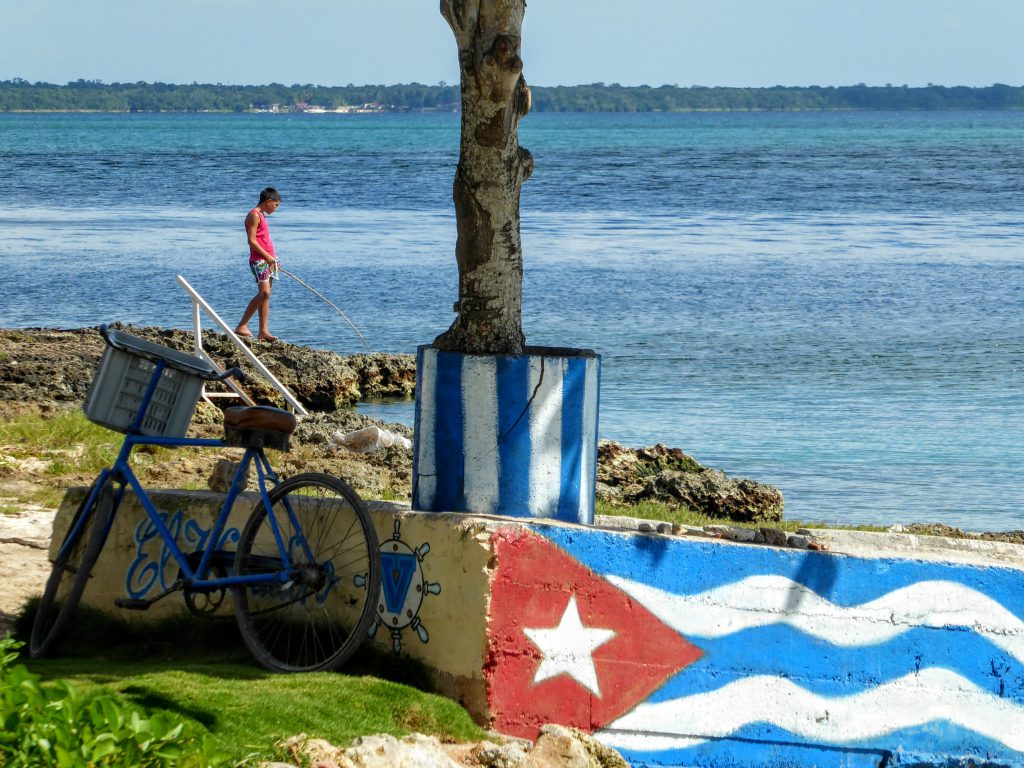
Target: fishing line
317, 293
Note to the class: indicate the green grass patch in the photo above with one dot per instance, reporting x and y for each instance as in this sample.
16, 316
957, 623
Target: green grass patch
197, 670
245, 710
652, 510
69, 443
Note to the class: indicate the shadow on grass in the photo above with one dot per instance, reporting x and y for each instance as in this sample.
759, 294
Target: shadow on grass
201, 645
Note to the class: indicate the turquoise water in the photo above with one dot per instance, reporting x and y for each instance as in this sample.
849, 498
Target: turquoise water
828, 302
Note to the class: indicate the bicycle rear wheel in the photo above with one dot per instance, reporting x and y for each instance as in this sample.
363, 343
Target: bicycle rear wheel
73, 567
318, 617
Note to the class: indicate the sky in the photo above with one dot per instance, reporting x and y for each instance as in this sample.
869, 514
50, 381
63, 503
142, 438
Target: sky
751, 43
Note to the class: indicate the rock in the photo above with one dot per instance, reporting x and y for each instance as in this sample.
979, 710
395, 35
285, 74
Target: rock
504, 756
370, 439
384, 751
43, 370
562, 747
774, 536
660, 473
58, 365
710, 491
619, 467
557, 747
796, 541
731, 532
223, 474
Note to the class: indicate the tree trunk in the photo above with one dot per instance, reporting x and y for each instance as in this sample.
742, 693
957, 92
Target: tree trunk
491, 171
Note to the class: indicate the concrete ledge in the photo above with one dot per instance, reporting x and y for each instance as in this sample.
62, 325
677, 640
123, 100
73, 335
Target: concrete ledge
933, 548
678, 650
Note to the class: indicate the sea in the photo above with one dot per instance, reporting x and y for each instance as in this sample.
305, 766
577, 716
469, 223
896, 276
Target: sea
832, 303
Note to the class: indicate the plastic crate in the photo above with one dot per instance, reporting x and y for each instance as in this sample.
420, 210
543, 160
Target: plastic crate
121, 382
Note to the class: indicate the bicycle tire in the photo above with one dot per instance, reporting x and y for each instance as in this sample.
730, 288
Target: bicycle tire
71, 572
322, 613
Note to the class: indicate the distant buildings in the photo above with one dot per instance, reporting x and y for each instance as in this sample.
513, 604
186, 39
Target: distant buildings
315, 109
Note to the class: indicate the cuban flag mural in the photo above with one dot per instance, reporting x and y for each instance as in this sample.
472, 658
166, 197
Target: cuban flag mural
514, 435
700, 653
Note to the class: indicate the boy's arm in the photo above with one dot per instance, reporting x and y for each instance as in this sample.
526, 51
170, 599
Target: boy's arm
252, 221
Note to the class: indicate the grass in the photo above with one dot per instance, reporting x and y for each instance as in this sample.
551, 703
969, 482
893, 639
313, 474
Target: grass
204, 676
33, 435
652, 510
70, 443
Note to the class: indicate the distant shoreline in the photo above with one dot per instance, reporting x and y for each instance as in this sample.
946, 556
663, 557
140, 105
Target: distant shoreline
21, 96
455, 112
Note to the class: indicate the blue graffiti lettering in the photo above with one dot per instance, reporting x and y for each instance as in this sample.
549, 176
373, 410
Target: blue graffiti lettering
149, 571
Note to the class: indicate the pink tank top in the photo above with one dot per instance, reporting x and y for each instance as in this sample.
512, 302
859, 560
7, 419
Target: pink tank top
262, 237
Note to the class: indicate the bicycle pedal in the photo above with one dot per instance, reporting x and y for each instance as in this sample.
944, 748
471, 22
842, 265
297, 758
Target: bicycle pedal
131, 604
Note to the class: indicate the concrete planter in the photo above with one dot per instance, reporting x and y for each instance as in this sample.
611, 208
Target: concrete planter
508, 435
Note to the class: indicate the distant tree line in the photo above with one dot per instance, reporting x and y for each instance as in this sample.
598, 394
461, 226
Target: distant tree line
93, 95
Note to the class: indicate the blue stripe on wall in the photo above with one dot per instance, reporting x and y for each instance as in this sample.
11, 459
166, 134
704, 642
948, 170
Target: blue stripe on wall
514, 435
449, 446
420, 351
689, 566
831, 670
573, 393
749, 748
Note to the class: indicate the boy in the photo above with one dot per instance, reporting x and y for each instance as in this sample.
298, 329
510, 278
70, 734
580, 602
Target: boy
262, 262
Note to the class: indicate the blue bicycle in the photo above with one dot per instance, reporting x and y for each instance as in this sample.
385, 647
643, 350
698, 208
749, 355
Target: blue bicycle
305, 576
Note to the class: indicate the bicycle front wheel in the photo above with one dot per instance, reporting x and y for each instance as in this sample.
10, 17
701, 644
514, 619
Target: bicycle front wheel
73, 567
319, 614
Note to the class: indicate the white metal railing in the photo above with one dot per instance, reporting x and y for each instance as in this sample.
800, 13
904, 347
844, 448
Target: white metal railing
198, 302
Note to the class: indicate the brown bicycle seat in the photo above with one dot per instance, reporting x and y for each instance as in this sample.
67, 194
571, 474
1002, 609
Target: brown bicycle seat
260, 417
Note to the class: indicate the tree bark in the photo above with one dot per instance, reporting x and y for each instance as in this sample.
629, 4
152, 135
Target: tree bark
491, 171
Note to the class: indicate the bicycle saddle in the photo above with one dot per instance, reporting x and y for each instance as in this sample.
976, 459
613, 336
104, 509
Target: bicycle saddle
258, 426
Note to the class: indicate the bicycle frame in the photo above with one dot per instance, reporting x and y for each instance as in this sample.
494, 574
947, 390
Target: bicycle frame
122, 473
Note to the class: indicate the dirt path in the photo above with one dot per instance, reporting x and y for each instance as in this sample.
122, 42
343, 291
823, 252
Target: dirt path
24, 541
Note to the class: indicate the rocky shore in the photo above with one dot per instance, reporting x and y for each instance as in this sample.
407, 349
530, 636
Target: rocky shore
48, 369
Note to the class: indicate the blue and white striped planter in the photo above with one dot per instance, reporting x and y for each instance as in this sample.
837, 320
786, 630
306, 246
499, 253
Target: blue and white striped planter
510, 435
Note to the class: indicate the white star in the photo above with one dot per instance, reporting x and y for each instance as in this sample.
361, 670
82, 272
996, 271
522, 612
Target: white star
568, 648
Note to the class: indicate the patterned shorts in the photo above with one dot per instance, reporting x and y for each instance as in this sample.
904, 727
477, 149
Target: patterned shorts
263, 270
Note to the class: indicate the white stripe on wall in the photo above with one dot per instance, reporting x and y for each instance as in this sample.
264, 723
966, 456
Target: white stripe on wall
545, 435
929, 696
480, 432
588, 458
426, 467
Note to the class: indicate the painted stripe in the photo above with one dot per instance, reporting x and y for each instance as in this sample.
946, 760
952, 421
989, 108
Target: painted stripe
833, 670
691, 565
761, 747
514, 435
929, 696
642, 741
588, 452
448, 434
424, 471
763, 600
480, 402
573, 397
545, 416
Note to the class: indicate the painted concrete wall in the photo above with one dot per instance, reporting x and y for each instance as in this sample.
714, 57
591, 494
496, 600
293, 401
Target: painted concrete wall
681, 651
515, 434
447, 628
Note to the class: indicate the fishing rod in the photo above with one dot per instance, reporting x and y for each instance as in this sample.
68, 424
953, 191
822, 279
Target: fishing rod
331, 303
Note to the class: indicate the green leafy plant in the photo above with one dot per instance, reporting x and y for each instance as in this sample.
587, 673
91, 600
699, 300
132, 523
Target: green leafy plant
55, 726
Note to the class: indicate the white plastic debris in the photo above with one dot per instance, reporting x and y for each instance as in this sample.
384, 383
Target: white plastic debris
370, 439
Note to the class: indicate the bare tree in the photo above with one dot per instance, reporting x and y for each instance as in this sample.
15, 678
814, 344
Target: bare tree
491, 171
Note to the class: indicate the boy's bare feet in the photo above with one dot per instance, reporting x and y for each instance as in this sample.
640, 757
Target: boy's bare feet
243, 332
267, 337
